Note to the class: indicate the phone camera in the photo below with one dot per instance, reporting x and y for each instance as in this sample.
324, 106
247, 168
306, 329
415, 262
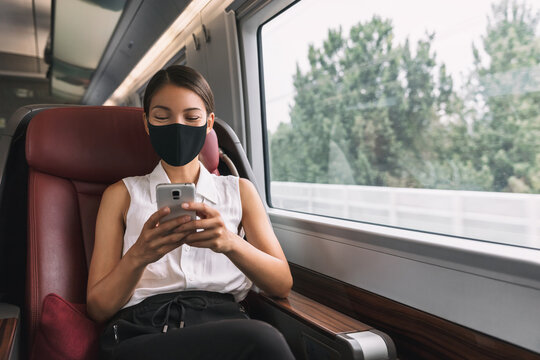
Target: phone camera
176, 194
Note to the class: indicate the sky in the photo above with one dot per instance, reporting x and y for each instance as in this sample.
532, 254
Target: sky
285, 40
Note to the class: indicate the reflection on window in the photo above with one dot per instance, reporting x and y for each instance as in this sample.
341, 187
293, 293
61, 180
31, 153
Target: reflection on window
417, 115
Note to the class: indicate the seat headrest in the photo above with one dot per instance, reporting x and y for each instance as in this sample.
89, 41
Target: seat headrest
209, 154
87, 143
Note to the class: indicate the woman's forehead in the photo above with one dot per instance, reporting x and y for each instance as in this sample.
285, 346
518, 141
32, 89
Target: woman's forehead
176, 98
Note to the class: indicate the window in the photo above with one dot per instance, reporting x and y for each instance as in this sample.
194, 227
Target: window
412, 114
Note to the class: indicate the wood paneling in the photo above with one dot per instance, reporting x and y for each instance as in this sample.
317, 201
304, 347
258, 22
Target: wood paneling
417, 335
7, 336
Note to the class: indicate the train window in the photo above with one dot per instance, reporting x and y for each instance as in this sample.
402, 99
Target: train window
411, 114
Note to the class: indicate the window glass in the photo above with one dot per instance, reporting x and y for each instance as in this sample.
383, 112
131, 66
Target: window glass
415, 114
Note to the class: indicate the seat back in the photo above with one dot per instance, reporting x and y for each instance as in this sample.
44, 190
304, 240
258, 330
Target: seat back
73, 154
209, 154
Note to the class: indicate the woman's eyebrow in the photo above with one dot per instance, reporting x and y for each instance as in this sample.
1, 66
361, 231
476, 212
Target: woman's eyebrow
161, 107
191, 109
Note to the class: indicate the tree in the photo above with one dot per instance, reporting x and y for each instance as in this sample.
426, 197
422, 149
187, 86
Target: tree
363, 102
508, 133
373, 112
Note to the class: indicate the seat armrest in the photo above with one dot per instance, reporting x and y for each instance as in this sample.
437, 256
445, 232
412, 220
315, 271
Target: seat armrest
9, 332
313, 330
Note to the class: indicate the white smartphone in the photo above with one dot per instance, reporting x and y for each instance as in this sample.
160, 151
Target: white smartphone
173, 196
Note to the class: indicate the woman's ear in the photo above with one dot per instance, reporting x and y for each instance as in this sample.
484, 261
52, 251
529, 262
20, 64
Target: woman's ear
145, 124
210, 122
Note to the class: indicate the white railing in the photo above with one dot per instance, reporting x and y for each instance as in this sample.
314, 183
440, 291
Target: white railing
499, 217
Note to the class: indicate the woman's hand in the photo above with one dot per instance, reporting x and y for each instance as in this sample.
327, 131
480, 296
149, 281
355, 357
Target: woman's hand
157, 239
260, 258
214, 234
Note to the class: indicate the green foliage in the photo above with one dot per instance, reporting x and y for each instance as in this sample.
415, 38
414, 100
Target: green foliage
371, 111
508, 133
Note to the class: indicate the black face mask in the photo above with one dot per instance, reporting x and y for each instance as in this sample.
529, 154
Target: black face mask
177, 144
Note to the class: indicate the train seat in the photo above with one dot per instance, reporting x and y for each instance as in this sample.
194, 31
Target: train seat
73, 154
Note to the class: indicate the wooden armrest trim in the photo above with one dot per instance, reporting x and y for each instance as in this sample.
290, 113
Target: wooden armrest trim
7, 336
323, 317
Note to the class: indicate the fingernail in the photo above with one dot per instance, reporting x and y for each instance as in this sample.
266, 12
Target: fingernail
185, 205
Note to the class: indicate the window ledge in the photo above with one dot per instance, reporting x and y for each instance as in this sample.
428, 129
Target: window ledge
517, 265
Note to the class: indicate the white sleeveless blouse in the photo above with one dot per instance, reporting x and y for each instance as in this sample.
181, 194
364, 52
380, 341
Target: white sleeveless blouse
186, 267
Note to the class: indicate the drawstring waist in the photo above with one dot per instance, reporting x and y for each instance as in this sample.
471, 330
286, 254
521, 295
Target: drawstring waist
195, 302
159, 313
165, 306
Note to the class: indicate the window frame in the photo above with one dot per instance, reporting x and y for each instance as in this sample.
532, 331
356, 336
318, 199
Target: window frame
472, 280
265, 140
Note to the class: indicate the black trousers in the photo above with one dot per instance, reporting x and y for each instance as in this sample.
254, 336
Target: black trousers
190, 325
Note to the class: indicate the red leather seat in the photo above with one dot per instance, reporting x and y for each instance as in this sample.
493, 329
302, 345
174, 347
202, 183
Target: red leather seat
73, 154
209, 154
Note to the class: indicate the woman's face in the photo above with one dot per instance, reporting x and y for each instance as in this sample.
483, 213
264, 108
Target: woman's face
173, 104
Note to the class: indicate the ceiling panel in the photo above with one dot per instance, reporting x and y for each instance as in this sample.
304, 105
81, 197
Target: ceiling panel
43, 22
139, 31
17, 27
81, 32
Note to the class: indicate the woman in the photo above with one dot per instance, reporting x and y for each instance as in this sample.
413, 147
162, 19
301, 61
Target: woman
170, 290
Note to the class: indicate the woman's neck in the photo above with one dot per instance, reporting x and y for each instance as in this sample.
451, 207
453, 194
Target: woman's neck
188, 173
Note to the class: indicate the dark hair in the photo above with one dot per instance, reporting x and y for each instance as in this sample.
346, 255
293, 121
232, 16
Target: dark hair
182, 76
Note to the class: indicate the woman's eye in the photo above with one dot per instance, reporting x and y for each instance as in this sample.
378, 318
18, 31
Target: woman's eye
161, 118
193, 118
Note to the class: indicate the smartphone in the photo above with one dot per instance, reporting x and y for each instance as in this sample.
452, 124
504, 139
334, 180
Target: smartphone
173, 196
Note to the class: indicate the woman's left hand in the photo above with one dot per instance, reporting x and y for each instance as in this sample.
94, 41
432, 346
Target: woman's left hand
214, 234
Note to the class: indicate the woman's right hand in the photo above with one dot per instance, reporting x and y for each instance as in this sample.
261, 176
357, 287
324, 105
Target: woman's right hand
157, 239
